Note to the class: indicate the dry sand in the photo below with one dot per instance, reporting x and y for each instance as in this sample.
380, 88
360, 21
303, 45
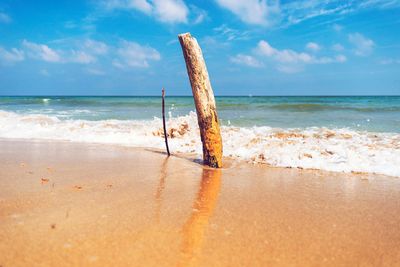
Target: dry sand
64, 204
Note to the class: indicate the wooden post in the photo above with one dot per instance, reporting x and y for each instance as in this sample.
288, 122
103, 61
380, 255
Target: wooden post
204, 100
163, 118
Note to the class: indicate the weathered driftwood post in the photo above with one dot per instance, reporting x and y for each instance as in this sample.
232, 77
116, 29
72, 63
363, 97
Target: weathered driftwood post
204, 100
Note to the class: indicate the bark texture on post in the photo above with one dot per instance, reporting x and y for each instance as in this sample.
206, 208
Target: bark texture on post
204, 100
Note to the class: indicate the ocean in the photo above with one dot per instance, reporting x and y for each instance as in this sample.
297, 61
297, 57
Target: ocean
334, 133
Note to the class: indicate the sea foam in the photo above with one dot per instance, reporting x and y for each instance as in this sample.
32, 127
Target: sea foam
341, 150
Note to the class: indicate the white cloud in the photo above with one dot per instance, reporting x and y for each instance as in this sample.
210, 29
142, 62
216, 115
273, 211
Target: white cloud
381, 4
283, 56
95, 47
85, 52
256, 12
298, 11
141, 5
290, 61
251, 11
96, 72
389, 61
125, 55
200, 14
12, 56
213, 43
81, 57
169, 11
313, 46
131, 54
41, 51
294, 12
337, 47
362, 45
264, 48
341, 58
327, 60
4, 18
172, 41
337, 27
246, 60
231, 34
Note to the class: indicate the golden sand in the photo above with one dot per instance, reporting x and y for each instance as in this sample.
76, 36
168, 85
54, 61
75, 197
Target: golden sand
64, 204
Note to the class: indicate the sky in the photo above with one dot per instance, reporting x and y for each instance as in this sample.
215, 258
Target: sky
251, 47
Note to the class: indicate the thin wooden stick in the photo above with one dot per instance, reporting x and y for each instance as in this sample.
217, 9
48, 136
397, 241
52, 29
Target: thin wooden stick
163, 118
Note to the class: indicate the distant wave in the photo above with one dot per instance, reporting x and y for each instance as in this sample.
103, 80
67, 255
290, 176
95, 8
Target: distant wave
81, 101
324, 106
255, 103
341, 150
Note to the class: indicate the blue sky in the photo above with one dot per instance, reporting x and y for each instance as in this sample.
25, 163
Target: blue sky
258, 47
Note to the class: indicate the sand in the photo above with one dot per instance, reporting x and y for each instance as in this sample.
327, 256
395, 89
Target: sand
71, 204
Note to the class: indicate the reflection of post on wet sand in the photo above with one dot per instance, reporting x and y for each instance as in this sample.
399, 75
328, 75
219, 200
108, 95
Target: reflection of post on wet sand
160, 189
203, 207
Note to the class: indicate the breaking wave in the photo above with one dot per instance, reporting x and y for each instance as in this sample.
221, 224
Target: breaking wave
341, 150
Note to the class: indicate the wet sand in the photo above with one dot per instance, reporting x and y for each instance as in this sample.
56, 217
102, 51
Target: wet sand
64, 204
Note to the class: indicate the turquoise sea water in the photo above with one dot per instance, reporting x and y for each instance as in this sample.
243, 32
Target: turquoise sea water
365, 113
343, 134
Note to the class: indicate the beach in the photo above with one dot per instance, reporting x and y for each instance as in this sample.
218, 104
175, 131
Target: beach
80, 204
342, 134
199, 133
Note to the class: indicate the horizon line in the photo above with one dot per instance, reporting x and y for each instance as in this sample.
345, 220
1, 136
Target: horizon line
248, 95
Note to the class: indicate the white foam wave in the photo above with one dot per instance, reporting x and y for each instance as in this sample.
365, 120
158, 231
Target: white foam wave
341, 150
